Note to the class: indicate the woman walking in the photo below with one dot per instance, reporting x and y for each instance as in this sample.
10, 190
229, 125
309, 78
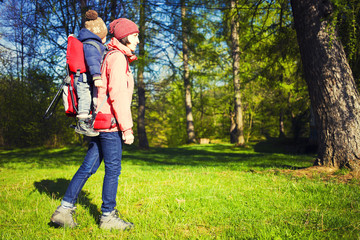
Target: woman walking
114, 123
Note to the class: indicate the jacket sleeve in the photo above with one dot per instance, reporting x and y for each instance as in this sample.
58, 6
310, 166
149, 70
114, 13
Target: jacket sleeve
93, 59
120, 90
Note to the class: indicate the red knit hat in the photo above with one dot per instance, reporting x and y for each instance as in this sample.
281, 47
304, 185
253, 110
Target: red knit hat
123, 27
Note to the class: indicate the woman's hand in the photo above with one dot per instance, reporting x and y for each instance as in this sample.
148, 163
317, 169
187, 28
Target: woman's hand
128, 136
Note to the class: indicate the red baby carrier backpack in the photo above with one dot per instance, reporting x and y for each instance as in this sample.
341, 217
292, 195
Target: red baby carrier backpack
75, 66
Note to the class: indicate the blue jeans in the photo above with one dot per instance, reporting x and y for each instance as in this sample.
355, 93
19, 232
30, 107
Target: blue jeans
106, 146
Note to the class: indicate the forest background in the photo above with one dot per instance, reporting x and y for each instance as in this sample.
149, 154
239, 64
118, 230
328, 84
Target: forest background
185, 78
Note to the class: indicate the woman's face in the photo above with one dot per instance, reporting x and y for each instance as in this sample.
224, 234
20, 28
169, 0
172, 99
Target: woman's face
134, 40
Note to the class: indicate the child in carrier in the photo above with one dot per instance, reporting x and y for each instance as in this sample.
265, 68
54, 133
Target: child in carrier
93, 36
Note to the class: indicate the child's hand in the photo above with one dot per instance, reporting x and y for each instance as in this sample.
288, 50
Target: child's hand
97, 80
98, 83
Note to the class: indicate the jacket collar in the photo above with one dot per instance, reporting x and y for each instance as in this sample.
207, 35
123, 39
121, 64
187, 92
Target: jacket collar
115, 44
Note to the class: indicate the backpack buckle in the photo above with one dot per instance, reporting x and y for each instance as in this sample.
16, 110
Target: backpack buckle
67, 79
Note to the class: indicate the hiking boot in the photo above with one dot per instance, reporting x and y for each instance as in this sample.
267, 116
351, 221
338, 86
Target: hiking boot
83, 127
113, 221
64, 217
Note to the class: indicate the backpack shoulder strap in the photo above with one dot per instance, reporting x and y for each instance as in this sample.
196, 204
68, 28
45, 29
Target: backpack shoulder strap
93, 43
108, 53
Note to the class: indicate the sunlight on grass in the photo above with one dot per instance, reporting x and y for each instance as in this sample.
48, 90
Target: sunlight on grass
190, 192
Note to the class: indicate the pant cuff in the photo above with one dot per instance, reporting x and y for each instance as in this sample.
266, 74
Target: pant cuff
66, 204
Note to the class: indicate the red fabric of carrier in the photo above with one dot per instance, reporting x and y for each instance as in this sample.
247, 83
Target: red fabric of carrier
76, 65
75, 55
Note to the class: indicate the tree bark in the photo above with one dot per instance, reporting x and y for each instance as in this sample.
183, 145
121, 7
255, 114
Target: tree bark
313, 139
143, 141
333, 93
83, 4
237, 132
281, 125
113, 5
190, 128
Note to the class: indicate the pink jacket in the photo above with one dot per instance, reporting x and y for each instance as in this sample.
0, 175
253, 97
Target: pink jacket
118, 81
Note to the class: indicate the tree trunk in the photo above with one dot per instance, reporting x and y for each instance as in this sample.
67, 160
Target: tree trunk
238, 132
313, 139
232, 127
333, 93
250, 126
190, 129
143, 141
83, 4
281, 126
115, 6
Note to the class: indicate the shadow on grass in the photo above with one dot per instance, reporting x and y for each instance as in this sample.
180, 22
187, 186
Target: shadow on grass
56, 189
229, 156
286, 146
42, 157
258, 155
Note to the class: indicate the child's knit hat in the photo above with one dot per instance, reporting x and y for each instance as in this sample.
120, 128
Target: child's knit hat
95, 24
123, 27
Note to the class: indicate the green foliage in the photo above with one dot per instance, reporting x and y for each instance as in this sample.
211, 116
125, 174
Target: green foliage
166, 115
270, 83
192, 192
283, 91
23, 106
272, 86
347, 16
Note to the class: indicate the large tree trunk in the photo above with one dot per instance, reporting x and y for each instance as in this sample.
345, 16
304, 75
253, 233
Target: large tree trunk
313, 139
143, 141
237, 131
190, 129
333, 93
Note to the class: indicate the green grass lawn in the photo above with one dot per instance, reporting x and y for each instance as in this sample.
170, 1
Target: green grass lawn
192, 192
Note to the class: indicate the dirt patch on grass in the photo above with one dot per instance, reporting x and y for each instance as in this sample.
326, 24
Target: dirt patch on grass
325, 173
